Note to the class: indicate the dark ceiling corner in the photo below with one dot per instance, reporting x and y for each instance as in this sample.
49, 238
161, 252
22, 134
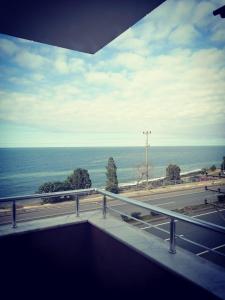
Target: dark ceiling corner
81, 25
220, 11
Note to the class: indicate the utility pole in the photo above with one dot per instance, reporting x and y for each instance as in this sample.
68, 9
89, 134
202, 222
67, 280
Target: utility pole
147, 132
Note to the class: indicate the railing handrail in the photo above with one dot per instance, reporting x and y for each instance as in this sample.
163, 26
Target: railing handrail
173, 215
46, 195
165, 212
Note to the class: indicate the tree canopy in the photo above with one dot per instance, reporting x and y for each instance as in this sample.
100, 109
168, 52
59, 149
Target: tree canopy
51, 187
112, 181
213, 168
173, 172
79, 179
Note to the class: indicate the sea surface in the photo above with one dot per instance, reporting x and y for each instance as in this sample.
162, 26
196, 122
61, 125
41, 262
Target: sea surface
23, 170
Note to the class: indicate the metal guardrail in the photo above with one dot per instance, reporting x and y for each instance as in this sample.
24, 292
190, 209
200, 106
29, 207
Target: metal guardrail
75, 193
47, 195
174, 216
218, 190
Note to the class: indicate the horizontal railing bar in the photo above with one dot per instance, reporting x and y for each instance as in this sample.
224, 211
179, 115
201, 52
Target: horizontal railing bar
138, 220
47, 195
215, 191
165, 212
216, 176
49, 216
200, 245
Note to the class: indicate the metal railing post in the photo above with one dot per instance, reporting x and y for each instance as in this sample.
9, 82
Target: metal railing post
104, 207
77, 205
172, 236
14, 214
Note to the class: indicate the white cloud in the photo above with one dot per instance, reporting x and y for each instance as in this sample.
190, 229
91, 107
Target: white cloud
38, 76
19, 80
208, 58
184, 35
64, 64
162, 21
129, 60
76, 65
105, 79
28, 80
169, 94
139, 81
203, 13
131, 41
8, 46
219, 35
177, 20
24, 54
28, 59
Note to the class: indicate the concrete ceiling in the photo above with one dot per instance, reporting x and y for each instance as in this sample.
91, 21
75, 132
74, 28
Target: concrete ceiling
82, 25
220, 11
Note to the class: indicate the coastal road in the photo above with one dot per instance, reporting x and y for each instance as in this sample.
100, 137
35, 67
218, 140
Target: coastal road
168, 200
172, 200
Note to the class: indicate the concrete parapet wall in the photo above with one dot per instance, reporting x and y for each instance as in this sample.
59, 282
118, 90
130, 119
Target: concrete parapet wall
97, 258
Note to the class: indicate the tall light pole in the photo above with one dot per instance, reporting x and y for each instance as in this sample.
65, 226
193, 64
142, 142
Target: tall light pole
147, 132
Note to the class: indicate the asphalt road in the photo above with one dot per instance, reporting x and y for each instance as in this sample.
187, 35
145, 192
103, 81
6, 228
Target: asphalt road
172, 200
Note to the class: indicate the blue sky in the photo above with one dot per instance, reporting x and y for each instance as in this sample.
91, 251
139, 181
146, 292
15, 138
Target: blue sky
165, 74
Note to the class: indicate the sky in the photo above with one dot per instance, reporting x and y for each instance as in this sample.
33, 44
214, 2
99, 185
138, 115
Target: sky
165, 74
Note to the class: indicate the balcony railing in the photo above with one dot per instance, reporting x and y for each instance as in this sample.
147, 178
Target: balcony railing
174, 216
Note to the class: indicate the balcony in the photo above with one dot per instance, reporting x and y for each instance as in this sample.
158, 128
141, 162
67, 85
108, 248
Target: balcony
94, 254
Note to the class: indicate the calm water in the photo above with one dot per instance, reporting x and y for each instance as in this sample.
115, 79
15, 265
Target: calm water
23, 170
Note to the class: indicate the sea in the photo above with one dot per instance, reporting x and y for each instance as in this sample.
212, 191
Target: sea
23, 170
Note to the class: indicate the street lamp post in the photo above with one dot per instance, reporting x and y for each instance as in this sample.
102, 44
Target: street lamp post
147, 132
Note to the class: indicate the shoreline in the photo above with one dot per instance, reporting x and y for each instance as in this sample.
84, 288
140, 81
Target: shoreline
152, 180
157, 183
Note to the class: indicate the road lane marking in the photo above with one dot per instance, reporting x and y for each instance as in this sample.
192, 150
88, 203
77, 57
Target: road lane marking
143, 228
156, 225
215, 248
208, 213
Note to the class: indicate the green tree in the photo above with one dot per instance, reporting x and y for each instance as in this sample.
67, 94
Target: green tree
223, 164
112, 181
173, 172
204, 171
51, 187
47, 187
213, 168
79, 179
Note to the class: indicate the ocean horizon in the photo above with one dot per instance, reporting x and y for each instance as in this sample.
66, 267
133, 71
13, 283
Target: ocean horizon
24, 169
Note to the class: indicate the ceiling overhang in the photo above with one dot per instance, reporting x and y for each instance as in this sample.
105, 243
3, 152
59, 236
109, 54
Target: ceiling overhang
220, 11
81, 25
